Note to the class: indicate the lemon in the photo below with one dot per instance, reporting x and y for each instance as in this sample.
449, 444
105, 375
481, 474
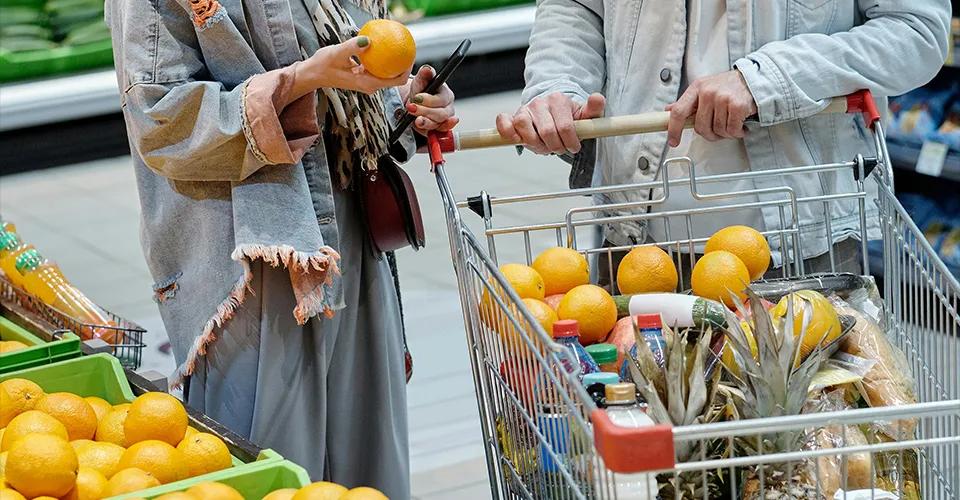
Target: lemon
321, 490
814, 310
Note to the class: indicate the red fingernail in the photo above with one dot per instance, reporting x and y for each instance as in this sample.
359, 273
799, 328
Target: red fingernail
412, 108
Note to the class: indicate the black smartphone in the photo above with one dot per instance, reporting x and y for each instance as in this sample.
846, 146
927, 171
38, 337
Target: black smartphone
441, 77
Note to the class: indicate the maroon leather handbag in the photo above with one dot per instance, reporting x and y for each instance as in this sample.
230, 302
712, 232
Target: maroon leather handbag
391, 207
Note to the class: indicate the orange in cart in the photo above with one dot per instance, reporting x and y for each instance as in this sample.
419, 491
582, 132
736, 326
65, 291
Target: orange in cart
593, 308
645, 270
562, 269
718, 275
746, 243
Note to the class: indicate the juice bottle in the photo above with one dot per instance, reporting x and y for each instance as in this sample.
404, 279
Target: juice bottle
44, 280
10, 248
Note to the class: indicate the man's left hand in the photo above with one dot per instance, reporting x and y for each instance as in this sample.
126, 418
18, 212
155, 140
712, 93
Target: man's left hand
721, 103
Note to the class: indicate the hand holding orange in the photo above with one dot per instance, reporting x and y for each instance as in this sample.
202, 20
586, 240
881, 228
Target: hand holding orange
391, 51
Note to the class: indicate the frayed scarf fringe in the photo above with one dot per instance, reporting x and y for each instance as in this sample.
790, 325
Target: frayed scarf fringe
323, 261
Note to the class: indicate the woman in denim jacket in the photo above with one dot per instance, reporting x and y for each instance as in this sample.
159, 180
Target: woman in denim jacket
248, 123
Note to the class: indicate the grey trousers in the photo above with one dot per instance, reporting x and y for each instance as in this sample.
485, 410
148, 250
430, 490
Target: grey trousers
329, 395
846, 259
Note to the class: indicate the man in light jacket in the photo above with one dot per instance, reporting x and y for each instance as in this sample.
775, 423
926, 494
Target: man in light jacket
753, 74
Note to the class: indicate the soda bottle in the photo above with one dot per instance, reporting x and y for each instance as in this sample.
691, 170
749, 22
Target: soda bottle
43, 280
10, 248
566, 332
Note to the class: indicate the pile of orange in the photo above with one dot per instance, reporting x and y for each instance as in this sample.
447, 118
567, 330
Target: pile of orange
66, 446
316, 491
733, 257
11, 345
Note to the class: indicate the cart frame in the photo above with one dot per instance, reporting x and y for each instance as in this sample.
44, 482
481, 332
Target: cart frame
576, 452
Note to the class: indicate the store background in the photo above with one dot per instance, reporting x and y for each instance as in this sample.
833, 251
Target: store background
68, 184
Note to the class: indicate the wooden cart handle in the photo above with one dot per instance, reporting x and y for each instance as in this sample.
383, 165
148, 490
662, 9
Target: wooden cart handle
643, 123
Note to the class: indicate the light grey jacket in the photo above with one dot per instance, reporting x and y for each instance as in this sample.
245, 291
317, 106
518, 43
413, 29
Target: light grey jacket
802, 53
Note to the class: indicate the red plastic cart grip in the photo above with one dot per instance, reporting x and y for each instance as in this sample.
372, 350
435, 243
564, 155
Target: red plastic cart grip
628, 450
862, 102
435, 147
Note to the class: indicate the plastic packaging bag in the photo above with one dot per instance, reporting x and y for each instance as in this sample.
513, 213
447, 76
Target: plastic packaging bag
888, 382
829, 468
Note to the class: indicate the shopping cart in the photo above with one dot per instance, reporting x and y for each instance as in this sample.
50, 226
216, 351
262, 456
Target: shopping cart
545, 438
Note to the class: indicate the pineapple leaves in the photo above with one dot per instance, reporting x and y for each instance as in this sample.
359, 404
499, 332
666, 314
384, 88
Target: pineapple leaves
697, 397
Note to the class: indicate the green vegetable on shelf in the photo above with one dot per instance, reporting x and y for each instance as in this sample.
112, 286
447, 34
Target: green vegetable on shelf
25, 44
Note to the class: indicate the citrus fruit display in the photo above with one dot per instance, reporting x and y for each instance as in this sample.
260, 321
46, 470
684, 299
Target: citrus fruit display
746, 243
9, 494
128, 481
100, 406
72, 411
177, 495
11, 345
30, 422
320, 490
214, 491
155, 415
156, 458
815, 321
90, 485
392, 50
204, 453
718, 276
17, 395
363, 493
284, 494
110, 428
647, 269
41, 464
562, 269
593, 308
103, 457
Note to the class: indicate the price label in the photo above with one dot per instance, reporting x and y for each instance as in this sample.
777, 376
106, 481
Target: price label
932, 157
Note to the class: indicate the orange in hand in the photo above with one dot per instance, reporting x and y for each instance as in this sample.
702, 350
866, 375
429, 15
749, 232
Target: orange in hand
392, 48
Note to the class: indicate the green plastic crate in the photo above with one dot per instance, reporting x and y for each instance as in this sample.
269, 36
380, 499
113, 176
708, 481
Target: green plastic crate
39, 352
58, 61
440, 7
102, 375
253, 481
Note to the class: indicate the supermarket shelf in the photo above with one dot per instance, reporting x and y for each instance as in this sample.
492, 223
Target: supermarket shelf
904, 157
92, 94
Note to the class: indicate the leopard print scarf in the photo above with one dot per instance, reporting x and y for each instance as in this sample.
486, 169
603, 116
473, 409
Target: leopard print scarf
355, 122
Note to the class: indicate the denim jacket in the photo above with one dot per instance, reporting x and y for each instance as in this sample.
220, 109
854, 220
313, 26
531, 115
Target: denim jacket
802, 53
229, 166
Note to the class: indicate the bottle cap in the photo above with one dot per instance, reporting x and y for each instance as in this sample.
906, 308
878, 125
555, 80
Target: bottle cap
566, 328
8, 240
28, 260
648, 321
621, 393
605, 378
603, 353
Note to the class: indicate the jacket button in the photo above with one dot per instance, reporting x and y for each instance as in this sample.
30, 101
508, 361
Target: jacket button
665, 75
643, 164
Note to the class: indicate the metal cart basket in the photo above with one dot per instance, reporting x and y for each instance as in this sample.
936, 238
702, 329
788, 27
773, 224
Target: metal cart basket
545, 438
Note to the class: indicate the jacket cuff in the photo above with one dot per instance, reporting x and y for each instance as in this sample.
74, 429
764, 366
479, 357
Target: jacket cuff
571, 89
769, 88
279, 130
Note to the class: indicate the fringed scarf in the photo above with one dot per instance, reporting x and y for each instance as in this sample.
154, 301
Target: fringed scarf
356, 123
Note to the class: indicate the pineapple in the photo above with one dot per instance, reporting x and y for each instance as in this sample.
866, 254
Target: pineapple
773, 384
680, 394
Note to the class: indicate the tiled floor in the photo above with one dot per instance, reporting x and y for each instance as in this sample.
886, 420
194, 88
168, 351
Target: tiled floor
86, 218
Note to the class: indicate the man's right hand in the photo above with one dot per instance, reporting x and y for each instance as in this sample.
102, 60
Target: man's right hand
545, 124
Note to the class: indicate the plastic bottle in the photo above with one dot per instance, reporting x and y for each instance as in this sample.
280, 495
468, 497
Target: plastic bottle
623, 410
651, 328
605, 355
566, 332
10, 248
43, 280
596, 385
